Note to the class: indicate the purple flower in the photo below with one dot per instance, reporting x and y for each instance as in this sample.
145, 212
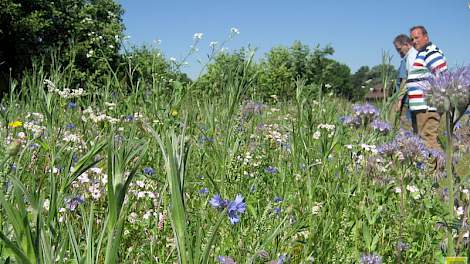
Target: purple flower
70, 126
72, 203
226, 260
281, 260
371, 259
235, 208
271, 170
450, 89
402, 247
217, 202
149, 171
278, 199
277, 210
353, 121
381, 126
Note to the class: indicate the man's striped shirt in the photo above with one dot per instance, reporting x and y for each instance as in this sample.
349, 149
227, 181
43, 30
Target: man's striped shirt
429, 61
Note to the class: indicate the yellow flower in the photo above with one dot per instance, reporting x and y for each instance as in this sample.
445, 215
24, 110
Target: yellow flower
15, 124
174, 113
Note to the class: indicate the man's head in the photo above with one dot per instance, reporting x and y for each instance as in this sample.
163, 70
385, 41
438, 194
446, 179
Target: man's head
402, 44
419, 36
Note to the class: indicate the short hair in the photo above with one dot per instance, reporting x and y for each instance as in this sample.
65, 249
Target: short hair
423, 29
403, 39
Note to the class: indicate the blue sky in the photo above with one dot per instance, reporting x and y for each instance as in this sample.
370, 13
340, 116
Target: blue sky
358, 30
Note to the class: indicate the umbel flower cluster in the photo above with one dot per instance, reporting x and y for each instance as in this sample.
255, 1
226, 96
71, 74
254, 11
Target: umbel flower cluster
449, 90
364, 115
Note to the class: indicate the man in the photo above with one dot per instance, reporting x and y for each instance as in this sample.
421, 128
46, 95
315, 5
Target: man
404, 47
430, 61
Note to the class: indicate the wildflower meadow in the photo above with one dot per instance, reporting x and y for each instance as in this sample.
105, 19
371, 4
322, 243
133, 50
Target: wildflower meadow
137, 164
109, 176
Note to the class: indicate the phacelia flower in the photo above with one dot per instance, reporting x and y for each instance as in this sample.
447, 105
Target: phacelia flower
226, 260
381, 126
371, 259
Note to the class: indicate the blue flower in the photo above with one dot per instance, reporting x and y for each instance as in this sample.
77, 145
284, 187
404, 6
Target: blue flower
149, 171
72, 203
277, 210
270, 169
217, 202
130, 118
204, 191
71, 105
70, 126
235, 208
278, 199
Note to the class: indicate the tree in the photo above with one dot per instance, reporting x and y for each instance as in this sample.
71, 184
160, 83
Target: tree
82, 32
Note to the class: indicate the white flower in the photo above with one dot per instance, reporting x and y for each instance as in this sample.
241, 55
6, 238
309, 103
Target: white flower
132, 218
349, 146
459, 211
412, 188
234, 31
397, 190
46, 204
212, 44
96, 170
316, 135
147, 215
83, 178
198, 36
316, 208
173, 59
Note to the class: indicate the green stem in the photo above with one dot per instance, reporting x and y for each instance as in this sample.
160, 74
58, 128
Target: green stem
450, 180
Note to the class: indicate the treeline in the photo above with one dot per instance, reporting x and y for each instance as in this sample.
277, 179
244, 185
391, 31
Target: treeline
83, 38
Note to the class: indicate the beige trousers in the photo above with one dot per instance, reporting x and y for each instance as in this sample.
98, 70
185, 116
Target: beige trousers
426, 125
